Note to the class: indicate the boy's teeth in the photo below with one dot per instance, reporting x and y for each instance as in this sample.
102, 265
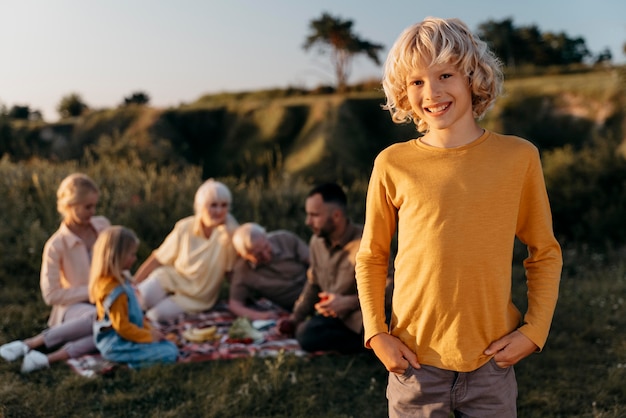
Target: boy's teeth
437, 109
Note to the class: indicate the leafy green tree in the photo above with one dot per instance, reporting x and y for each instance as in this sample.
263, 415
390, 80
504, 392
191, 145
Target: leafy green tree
528, 45
604, 56
19, 112
71, 105
6, 132
501, 37
565, 50
334, 34
138, 97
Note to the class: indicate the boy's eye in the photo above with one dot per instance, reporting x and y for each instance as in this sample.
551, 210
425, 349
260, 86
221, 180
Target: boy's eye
446, 75
416, 83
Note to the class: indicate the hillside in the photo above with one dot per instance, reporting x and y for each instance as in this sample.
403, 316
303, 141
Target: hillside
323, 136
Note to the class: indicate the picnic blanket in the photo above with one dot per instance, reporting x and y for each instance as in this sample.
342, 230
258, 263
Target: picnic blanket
221, 347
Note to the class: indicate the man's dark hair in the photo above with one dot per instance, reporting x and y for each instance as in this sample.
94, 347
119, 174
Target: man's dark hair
331, 193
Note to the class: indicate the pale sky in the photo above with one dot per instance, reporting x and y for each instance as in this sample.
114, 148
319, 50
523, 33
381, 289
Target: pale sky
176, 51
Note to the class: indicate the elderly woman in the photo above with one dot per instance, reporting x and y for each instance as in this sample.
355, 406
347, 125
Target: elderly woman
64, 279
185, 273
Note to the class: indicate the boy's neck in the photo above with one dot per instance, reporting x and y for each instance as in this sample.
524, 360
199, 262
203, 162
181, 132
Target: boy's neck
453, 138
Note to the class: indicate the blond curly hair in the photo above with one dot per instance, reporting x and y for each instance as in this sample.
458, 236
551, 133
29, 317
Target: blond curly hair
437, 41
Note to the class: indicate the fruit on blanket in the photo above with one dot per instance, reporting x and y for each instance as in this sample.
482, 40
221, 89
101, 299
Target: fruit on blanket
191, 337
287, 327
242, 329
208, 332
199, 335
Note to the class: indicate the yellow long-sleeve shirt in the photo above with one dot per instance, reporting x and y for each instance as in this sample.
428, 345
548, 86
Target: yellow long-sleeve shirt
118, 313
457, 212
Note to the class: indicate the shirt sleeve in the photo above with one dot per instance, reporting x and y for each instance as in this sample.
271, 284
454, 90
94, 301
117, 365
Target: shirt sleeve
168, 250
118, 314
544, 263
52, 291
238, 290
304, 306
372, 260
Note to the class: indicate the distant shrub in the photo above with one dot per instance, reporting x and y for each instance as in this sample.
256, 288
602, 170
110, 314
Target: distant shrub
587, 189
72, 105
144, 197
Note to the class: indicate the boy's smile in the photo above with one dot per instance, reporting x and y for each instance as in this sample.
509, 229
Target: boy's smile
440, 95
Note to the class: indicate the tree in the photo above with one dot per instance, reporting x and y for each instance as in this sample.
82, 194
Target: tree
604, 56
333, 33
528, 45
138, 97
500, 36
19, 112
71, 105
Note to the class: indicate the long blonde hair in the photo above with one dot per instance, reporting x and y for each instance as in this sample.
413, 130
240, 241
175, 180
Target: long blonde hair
109, 251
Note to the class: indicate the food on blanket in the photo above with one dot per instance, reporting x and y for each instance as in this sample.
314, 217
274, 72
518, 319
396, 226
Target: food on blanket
287, 327
242, 329
208, 332
200, 335
171, 336
191, 337
239, 340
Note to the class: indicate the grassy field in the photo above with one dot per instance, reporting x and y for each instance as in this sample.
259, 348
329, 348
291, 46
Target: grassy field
580, 373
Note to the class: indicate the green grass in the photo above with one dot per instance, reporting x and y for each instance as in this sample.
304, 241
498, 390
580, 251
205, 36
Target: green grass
580, 373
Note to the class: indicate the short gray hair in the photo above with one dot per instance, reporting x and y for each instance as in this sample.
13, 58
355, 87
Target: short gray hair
246, 236
210, 191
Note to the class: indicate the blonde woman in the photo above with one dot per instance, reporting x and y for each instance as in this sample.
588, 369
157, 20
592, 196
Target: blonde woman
185, 273
64, 279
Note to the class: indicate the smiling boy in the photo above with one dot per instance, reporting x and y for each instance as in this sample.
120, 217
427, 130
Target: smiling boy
457, 197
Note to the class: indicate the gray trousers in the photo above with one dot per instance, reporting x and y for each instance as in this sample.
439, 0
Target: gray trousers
487, 392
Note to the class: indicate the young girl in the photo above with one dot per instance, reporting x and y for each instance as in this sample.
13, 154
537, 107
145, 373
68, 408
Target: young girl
120, 332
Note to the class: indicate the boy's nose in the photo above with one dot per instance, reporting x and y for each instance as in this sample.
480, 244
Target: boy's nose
432, 90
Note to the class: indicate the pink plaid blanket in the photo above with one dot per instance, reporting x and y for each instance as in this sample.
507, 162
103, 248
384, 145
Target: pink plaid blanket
219, 348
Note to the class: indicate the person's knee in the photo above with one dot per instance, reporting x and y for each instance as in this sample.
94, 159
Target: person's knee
306, 336
172, 354
165, 311
308, 341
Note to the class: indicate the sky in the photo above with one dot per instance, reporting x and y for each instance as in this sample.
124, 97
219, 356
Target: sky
177, 51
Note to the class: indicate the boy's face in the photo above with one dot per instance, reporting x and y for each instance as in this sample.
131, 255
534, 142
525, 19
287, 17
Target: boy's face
440, 95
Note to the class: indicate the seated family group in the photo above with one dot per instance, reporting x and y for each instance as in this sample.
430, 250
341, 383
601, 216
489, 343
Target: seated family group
98, 306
